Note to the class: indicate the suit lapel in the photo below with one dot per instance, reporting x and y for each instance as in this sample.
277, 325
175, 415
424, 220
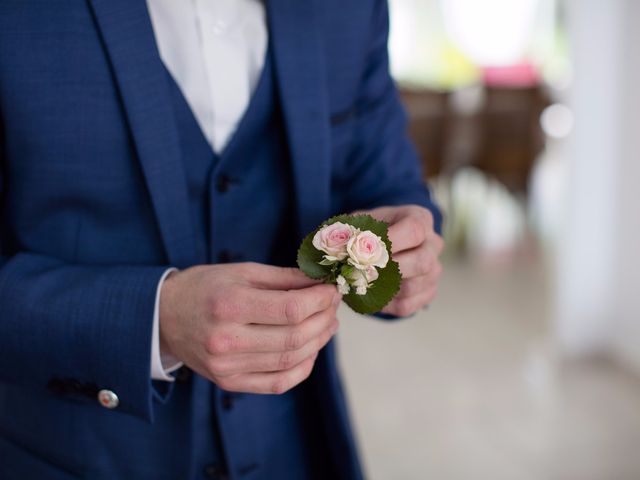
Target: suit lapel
297, 50
128, 37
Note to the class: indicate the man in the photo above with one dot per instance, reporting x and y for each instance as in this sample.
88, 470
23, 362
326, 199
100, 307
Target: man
160, 163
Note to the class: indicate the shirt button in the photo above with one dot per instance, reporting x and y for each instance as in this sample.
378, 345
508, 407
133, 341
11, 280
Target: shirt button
215, 472
223, 183
219, 27
108, 399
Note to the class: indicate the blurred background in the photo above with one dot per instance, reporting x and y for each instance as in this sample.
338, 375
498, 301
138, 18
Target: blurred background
526, 116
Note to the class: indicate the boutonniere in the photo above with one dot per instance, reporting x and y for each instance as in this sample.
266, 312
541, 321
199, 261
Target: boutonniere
353, 253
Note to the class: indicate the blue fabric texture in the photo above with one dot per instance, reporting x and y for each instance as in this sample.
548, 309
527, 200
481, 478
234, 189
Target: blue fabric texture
105, 181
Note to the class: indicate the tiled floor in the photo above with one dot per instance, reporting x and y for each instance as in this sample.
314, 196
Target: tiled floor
473, 389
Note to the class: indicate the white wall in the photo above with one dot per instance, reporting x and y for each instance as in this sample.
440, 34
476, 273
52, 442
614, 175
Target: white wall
626, 337
598, 275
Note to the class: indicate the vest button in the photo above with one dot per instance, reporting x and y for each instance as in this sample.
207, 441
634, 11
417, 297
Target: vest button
224, 257
227, 401
215, 472
223, 183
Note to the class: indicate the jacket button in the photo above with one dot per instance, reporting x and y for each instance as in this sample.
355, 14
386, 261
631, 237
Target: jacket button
108, 399
215, 472
223, 183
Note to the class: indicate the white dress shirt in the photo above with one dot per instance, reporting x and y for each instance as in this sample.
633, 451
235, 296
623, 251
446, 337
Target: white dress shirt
214, 50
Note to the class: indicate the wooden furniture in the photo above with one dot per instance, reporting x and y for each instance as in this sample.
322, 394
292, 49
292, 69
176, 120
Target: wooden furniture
502, 137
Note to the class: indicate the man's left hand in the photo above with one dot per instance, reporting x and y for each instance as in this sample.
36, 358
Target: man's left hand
416, 247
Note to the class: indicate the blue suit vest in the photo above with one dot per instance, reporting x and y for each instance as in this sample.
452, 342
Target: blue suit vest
220, 185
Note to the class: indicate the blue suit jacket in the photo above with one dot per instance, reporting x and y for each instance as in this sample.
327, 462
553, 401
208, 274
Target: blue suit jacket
94, 208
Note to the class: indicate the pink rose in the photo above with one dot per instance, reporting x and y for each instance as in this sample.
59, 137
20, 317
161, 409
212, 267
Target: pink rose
332, 240
367, 249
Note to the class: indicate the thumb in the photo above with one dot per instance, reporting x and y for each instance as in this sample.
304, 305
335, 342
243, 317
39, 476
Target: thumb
279, 278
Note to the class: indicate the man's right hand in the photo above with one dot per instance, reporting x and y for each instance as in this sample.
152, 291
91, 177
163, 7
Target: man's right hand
247, 327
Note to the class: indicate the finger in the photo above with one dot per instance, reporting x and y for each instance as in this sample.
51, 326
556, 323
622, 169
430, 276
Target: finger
277, 278
272, 307
418, 262
437, 244
269, 383
409, 231
415, 286
259, 338
405, 307
270, 362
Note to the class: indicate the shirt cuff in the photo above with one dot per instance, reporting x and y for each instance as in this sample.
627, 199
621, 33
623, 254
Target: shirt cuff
161, 364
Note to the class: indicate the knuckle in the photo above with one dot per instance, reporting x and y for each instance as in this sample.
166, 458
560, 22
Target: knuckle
248, 268
432, 294
437, 269
412, 287
321, 341
279, 385
243, 269
417, 231
224, 384
308, 369
220, 344
426, 216
404, 308
294, 339
327, 317
291, 272
425, 261
405, 290
217, 367
219, 307
285, 361
325, 337
292, 310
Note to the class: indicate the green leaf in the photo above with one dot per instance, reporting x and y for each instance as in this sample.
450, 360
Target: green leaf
309, 258
380, 292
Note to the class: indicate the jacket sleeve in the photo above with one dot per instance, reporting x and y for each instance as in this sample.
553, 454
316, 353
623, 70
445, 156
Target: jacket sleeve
76, 329
383, 168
